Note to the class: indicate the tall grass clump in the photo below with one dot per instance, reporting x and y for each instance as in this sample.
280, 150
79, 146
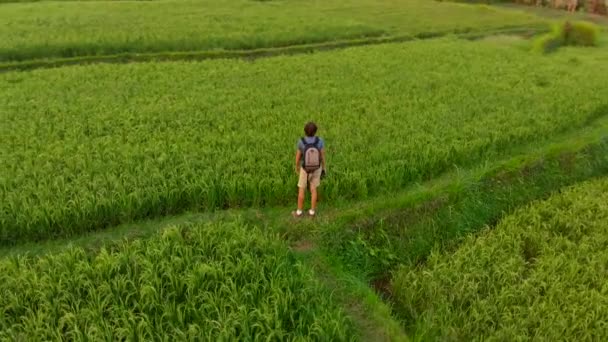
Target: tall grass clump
540, 274
576, 33
211, 282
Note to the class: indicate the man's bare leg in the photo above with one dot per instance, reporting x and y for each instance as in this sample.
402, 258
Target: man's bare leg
301, 197
313, 200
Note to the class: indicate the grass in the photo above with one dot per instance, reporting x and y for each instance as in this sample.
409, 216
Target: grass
70, 29
539, 274
159, 141
371, 315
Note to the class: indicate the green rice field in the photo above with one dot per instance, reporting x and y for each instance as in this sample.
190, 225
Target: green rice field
147, 171
74, 28
539, 272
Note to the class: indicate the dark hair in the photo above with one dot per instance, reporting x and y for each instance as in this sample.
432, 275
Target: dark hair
310, 129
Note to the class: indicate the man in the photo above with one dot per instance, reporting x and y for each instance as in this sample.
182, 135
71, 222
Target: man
310, 165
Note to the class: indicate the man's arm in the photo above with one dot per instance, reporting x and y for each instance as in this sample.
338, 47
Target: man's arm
298, 157
323, 158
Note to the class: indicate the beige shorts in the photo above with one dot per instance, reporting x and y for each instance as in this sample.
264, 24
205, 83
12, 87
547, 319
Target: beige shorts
313, 179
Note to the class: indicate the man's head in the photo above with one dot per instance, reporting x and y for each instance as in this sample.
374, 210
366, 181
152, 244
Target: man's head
310, 129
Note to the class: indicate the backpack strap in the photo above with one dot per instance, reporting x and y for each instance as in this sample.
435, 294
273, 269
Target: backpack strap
316, 142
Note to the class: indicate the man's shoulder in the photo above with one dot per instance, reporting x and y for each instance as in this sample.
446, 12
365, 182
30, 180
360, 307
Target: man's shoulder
301, 143
321, 142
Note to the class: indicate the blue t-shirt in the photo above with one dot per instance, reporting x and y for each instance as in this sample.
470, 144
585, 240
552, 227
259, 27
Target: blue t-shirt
309, 140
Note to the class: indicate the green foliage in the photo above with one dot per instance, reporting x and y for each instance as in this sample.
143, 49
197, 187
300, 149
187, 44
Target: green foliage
211, 282
540, 274
115, 27
578, 33
88, 147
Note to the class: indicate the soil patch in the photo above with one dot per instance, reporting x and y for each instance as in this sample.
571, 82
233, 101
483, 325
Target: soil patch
303, 246
382, 286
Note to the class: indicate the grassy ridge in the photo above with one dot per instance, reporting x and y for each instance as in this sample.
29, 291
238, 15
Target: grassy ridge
539, 274
70, 29
211, 281
102, 145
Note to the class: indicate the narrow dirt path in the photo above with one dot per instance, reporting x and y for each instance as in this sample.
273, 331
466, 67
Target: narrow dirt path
370, 313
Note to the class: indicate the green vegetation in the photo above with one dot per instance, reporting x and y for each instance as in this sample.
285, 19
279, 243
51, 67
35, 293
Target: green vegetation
578, 33
146, 199
405, 232
539, 274
212, 281
69, 29
103, 144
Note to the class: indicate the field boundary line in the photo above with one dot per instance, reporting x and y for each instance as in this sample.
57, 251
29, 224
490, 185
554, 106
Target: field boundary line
254, 54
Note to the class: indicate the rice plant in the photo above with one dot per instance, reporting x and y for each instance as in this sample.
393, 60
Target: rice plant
209, 282
540, 274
